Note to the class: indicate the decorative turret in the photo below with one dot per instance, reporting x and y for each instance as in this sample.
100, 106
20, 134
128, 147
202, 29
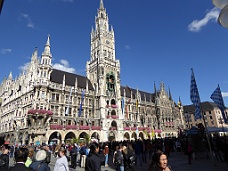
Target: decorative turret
46, 55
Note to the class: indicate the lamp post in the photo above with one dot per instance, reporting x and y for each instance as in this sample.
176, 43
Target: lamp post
223, 16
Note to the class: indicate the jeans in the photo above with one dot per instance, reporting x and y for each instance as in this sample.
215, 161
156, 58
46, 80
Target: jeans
106, 159
120, 168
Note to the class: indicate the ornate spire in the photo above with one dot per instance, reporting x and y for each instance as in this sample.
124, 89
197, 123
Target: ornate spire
34, 55
101, 5
155, 90
170, 96
10, 77
47, 46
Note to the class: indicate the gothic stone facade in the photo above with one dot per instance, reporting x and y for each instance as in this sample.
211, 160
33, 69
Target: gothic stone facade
45, 104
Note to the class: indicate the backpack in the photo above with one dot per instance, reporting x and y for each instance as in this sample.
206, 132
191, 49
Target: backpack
119, 158
131, 158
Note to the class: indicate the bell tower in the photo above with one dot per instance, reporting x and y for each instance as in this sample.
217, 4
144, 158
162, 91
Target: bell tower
103, 70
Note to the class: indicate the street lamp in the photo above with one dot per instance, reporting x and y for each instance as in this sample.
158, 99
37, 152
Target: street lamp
223, 16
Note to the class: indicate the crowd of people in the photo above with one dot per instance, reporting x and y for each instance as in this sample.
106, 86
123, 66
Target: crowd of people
124, 155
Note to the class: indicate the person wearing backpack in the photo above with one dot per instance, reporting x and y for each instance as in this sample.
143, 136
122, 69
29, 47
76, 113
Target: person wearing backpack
119, 159
129, 158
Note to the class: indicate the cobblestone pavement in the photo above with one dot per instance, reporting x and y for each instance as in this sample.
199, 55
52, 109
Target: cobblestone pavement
178, 162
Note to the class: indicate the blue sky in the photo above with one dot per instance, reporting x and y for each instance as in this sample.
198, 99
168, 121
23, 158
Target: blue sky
156, 40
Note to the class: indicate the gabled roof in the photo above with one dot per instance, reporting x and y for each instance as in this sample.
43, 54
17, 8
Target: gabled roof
57, 77
149, 96
205, 106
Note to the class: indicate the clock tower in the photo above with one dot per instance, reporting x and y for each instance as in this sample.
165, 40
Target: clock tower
103, 70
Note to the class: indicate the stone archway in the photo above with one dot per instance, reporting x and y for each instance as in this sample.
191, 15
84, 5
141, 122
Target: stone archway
69, 137
134, 135
126, 136
141, 135
55, 138
95, 135
111, 136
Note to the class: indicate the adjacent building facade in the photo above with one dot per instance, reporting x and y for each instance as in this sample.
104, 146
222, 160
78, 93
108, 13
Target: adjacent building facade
44, 104
212, 116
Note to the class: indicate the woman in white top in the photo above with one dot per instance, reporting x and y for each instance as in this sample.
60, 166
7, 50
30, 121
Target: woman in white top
61, 163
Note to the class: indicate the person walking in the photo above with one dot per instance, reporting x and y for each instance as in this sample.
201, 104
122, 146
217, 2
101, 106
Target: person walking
106, 152
93, 161
73, 154
61, 163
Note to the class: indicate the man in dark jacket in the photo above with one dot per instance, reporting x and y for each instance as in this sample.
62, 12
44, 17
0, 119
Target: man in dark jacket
93, 162
73, 154
4, 157
21, 155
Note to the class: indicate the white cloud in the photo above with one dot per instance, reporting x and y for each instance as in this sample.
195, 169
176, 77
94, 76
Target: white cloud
224, 94
7, 50
24, 67
28, 20
64, 66
196, 25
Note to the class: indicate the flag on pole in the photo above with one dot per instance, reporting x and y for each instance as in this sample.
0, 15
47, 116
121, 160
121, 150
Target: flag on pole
123, 107
194, 96
216, 96
80, 108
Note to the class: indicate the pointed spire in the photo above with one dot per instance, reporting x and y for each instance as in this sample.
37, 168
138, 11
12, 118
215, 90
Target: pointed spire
35, 54
179, 102
10, 77
101, 4
162, 86
47, 46
170, 96
155, 90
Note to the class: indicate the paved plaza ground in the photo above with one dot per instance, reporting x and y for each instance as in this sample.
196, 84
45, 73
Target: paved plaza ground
178, 162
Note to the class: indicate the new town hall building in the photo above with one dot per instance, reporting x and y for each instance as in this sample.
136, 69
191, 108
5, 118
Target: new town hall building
44, 104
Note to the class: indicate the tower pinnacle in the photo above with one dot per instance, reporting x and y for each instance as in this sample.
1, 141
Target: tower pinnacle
101, 4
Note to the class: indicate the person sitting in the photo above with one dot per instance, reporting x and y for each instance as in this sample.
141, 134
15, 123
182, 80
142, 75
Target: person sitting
39, 164
20, 155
